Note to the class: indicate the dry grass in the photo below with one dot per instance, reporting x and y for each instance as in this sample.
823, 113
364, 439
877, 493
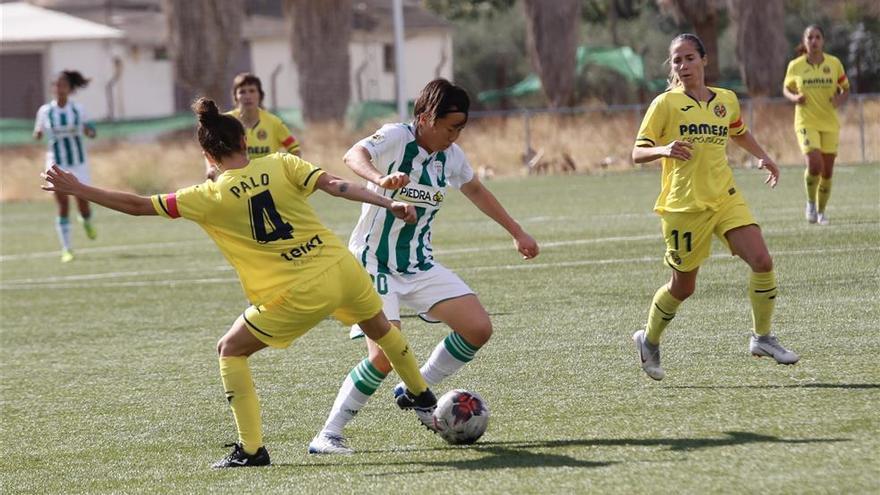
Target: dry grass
595, 140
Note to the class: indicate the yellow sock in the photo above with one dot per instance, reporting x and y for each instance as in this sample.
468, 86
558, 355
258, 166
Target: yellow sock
662, 311
811, 183
395, 346
823, 194
242, 397
762, 293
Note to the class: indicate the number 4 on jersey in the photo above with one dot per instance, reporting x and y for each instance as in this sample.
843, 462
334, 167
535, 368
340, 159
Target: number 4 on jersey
266, 223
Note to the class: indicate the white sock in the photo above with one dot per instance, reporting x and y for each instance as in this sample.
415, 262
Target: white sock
447, 358
356, 390
62, 225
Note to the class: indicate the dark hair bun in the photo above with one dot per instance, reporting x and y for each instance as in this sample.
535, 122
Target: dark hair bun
206, 110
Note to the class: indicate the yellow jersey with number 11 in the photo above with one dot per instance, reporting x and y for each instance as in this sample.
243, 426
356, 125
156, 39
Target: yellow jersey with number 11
260, 218
702, 182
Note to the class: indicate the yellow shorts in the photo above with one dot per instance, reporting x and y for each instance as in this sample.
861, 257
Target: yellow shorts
688, 235
811, 139
344, 291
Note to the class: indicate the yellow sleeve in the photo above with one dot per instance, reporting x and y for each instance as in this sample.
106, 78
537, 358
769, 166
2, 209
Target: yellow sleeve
651, 131
192, 203
790, 82
737, 126
285, 137
842, 80
302, 174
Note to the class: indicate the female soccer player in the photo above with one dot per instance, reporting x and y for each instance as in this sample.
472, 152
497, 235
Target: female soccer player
64, 123
816, 83
266, 133
294, 271
688, 128
418, 162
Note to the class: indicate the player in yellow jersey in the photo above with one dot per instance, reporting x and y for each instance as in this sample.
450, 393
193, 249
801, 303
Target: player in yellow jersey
294, 270
266, 133
816, 83
688, 128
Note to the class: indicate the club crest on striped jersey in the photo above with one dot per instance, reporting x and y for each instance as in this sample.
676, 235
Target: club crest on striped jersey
377, 138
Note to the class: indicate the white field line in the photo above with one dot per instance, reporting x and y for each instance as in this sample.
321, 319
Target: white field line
70, 282
105, 249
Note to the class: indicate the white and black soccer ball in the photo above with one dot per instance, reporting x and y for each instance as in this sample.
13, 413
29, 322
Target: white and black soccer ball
461, 416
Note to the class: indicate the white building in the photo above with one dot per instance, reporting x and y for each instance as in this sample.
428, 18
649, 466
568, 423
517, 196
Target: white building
132, 76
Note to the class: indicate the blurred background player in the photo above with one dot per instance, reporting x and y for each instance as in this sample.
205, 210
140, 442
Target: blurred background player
293, 269
688, 128
816, 83
418, 162
266, 133
64, 123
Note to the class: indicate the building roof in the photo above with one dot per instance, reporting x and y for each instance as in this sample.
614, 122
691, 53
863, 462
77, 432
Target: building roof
22, 22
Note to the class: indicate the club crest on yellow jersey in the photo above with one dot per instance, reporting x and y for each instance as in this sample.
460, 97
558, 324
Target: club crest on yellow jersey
720, 111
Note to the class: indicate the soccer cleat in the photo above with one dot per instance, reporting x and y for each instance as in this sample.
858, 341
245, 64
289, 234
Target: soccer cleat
822, 219
328, 443
239, 458
426, 415
769, 346
810, 212
66, 256
423, 404
649, 356
91, 232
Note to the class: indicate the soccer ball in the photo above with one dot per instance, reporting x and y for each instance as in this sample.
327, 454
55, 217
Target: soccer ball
461, 417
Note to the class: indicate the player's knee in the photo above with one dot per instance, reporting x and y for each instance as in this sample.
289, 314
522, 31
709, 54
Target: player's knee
761, 263
682, 291
479, 332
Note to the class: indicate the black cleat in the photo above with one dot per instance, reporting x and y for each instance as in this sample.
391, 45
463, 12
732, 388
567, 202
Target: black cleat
239, 458
424, 401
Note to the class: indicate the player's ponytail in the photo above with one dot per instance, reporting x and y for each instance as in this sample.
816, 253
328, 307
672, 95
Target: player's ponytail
219, 135
75, 79
672, 80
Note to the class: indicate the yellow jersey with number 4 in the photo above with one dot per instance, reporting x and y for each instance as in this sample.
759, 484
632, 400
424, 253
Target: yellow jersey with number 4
818, 83
260, 218
704, 181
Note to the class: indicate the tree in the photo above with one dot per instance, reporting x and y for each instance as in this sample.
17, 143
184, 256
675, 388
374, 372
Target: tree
703, 16
320, 32
552, 36
761, 49
203, 37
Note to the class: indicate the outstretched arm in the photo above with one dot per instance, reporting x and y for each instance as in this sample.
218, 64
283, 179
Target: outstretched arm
64, 182
342, 188
483, 199
359, 161
747, 142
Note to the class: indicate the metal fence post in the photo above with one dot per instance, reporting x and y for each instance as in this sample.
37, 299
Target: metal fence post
862, 127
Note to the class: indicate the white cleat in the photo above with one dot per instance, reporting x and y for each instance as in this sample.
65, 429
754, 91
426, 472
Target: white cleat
328, 443
769, 346
810, 212
649, 356
822, 219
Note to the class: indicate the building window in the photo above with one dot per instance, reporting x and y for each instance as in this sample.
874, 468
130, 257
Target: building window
388, 57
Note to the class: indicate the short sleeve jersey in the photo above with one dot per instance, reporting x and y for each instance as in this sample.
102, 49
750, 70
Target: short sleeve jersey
261, 220
63, 128
384, 243
702, 182
818, 83
268, 135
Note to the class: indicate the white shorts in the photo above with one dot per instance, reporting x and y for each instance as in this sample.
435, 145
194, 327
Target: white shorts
81, 172
419, 292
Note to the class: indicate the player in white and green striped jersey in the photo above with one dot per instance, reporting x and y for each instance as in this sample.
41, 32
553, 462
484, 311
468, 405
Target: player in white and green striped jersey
416, 163
65, 125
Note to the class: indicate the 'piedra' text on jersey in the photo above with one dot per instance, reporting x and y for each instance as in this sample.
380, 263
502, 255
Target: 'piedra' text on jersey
383, 243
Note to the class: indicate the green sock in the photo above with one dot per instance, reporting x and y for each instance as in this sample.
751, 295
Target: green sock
824, 192
663, 308
762, 294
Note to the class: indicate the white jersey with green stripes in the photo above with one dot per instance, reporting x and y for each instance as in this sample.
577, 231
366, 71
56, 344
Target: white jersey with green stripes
383, 243
63, 128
